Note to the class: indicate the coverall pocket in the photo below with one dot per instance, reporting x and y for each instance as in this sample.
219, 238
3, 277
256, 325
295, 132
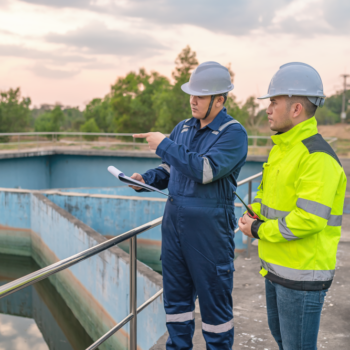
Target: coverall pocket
230, 220
224, 282
225, 272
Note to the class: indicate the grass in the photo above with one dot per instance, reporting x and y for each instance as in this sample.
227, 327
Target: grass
124, 147
5, 147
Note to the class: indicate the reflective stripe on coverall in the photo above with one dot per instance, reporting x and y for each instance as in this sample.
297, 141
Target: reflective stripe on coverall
301, 198
200, 168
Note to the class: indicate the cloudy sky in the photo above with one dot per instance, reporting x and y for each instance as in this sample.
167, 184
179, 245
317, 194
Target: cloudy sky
70, 51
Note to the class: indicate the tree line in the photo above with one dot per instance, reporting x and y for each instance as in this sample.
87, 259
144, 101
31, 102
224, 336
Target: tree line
139, 102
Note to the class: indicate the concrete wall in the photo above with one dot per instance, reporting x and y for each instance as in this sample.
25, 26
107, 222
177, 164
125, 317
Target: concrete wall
112, 215
63, 169
15, 223
51, 170
26, 172
97, 289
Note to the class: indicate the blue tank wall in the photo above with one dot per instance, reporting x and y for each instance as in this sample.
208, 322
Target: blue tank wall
27, 172
64, 171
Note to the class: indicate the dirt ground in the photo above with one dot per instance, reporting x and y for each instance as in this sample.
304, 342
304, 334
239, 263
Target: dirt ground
341, 131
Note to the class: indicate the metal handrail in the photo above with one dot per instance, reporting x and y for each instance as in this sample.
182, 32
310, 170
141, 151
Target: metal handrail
79, 133
54, 138
248, 179
123, 322
47, 271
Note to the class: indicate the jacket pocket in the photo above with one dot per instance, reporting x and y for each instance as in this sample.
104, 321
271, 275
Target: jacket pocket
265, 170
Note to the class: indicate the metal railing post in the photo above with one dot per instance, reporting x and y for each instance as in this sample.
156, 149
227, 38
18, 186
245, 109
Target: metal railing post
249, 240
133, 293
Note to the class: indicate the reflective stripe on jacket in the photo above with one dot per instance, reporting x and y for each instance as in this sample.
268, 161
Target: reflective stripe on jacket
301, 198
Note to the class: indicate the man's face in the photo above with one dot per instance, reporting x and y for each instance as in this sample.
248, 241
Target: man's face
278, 114
199, 106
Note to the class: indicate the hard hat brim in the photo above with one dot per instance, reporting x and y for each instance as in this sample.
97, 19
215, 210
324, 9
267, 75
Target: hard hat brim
289, 94
264, 97
185, 88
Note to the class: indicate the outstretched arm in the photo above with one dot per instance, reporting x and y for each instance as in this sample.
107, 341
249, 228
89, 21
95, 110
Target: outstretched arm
158, 177
218, 162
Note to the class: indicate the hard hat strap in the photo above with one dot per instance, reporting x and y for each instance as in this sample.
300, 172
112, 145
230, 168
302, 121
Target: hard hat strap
210, 106
317, 101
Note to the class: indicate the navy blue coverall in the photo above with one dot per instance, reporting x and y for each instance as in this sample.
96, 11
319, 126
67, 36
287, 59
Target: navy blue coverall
200, 168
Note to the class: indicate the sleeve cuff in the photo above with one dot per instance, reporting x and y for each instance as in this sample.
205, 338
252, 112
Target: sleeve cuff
163, 146
255, 228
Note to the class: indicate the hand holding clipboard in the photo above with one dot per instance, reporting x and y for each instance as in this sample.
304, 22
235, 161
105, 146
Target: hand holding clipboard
128, 180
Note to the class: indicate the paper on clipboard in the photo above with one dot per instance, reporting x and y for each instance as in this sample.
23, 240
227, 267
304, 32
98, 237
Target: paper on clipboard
122, 177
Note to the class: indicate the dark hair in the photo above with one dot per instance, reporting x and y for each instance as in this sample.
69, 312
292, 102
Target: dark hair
224, 95
309, 107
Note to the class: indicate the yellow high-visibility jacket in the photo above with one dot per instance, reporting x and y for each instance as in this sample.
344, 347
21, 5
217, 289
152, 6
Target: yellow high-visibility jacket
300, 199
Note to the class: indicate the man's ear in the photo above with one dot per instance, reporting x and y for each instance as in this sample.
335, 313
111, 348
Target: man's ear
297, 109
220, 101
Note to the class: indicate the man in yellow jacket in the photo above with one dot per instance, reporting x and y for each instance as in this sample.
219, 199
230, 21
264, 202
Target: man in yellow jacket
300, 205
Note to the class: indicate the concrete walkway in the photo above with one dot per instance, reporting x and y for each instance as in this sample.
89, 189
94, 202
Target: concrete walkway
251, 329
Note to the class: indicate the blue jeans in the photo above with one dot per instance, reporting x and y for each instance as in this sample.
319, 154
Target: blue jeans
294, 316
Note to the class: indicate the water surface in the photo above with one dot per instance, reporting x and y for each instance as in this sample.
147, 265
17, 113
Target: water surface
36, 317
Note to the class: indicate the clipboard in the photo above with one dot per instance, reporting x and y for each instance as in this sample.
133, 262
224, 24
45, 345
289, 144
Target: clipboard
128, 180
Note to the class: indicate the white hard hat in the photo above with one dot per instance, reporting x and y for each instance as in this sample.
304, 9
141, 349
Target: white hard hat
209, 78
297, 79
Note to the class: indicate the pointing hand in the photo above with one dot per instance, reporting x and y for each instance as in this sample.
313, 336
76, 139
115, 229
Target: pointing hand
153, 139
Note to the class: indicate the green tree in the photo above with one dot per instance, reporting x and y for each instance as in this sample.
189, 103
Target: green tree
43, 123
100, 110
90, 126
73, 119
172, 104
57, 116
50, 121
235, 111
14, 111
325, 115
254, 118
185, 62
131, 101
334, 102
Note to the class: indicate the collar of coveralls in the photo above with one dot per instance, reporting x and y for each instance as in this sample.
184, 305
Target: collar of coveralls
214, 125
